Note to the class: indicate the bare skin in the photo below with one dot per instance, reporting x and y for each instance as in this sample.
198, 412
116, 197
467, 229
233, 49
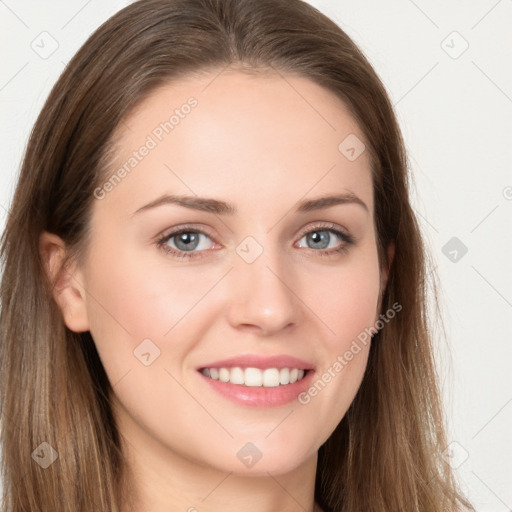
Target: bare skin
254, 142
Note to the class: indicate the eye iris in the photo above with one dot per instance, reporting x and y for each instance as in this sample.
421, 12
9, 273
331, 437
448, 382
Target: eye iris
187, 241
319, 237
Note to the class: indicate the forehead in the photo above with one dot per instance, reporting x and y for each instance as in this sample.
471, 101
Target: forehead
255, 138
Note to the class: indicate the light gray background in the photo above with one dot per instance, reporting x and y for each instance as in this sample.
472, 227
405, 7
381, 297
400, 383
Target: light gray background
454, 105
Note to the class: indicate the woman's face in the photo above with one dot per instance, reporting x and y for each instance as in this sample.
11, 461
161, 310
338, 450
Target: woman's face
261, 270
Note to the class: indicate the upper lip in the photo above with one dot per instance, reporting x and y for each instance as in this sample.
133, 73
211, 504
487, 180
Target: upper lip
263, 362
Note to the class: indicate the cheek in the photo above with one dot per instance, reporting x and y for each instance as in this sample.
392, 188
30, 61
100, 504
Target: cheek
346, 304
345, 300
347, 312
132, 300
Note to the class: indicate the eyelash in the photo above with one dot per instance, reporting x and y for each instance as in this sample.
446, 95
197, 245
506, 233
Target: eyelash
345, 237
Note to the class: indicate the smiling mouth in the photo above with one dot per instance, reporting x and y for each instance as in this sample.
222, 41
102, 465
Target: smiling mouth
256, 377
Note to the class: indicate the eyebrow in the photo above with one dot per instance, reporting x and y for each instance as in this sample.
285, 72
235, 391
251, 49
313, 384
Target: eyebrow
222, 208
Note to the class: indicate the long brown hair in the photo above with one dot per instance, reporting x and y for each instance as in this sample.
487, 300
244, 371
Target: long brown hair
386, 453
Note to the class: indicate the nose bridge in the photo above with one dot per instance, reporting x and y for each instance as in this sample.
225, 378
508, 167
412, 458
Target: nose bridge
261, 289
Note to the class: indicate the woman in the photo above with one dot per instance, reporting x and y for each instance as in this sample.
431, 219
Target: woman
213, 293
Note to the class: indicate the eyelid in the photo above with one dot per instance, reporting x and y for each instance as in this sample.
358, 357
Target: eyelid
184, 228
327, 226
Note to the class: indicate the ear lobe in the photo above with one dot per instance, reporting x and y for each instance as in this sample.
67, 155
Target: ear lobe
66, 281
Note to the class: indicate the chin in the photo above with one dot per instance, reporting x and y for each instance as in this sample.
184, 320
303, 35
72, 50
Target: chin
259, 459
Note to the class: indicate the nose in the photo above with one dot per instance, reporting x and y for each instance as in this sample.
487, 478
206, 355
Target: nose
261, 296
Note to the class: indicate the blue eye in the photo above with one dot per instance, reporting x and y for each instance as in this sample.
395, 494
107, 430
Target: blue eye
190, 243
325, 241
322, 238
183, 242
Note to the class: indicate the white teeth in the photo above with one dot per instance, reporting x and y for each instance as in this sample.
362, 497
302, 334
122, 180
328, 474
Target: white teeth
254, 377
271, 378
236, 376
223, 374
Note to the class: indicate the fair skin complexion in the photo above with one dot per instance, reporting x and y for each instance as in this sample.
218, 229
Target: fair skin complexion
254, 142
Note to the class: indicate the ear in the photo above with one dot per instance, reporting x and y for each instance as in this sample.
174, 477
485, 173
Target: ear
67, 283
385, 274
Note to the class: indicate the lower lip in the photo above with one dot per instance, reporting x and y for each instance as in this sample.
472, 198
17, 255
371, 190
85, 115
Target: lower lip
259, 396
